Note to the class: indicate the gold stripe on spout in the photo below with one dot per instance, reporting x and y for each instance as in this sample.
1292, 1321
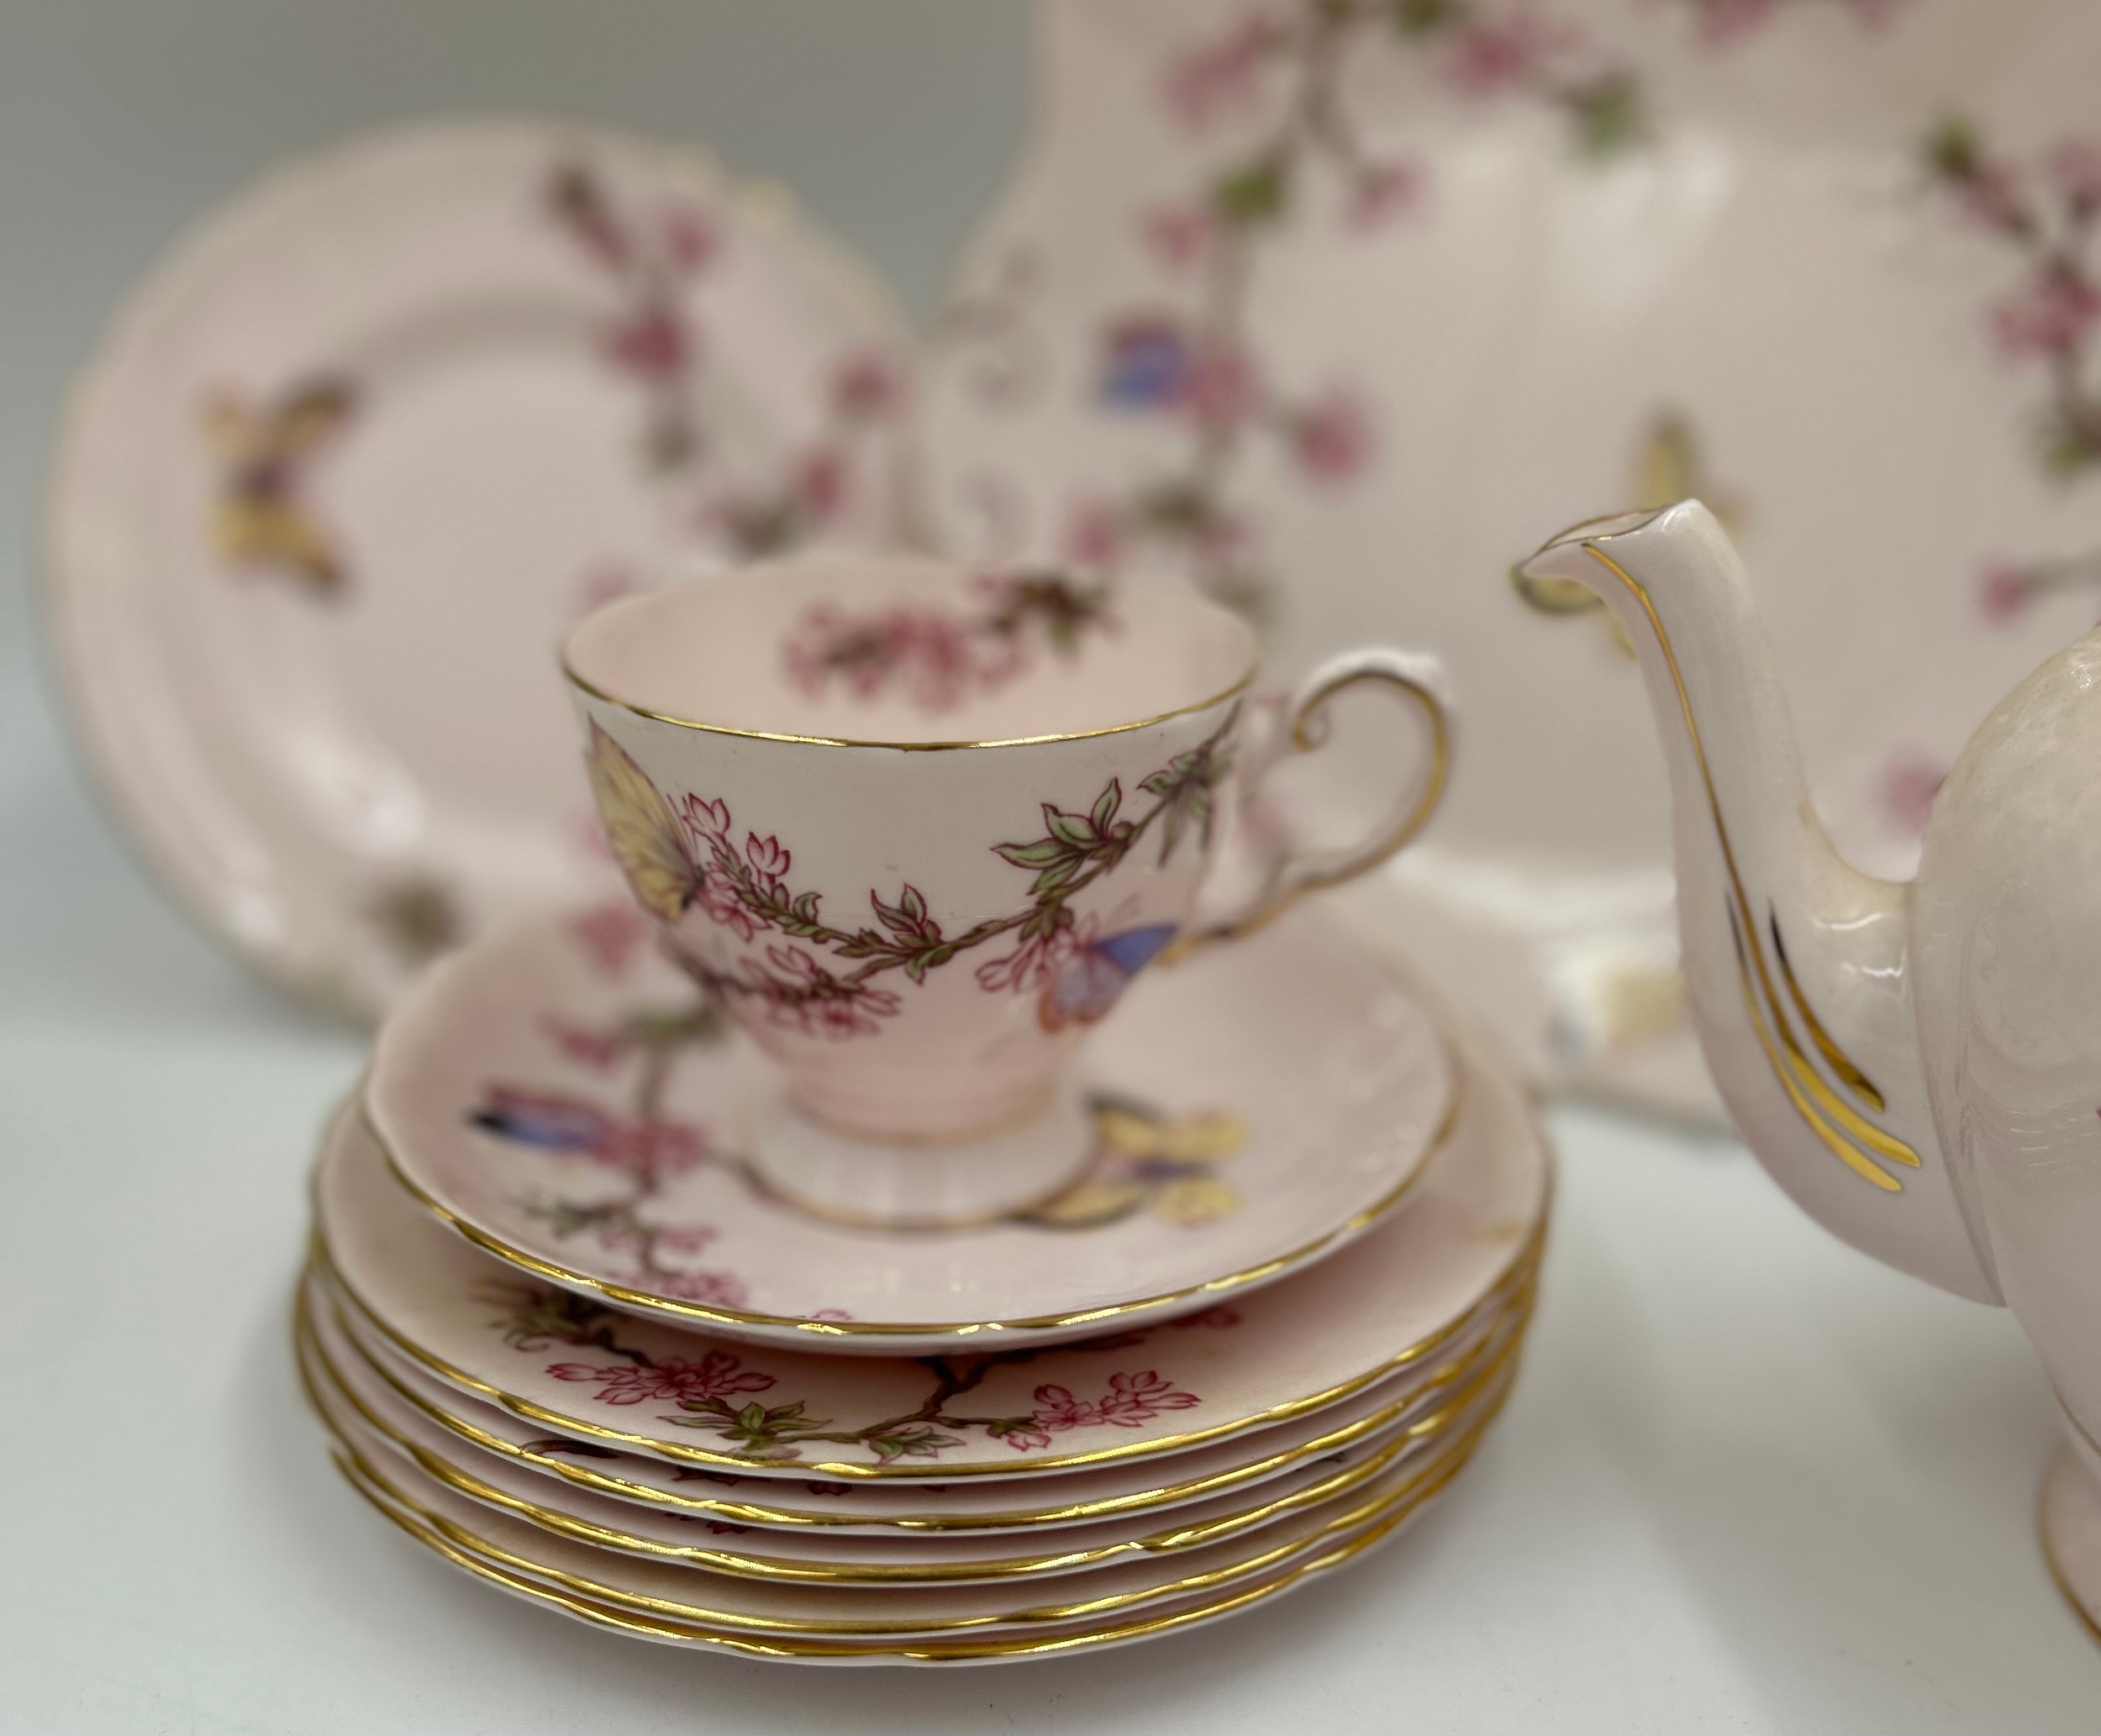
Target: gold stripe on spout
1857, 1081
1848, 1134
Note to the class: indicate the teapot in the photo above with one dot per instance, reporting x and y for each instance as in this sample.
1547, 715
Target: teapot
1918, 1064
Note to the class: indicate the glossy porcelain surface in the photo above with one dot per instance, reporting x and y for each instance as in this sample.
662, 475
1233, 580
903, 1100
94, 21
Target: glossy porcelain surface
362, 447
1918, 1063
2068, 1514
349, 1393
590, 1121
903, 1623
1324, 312
1392, 1302
1236, 1466
918, 826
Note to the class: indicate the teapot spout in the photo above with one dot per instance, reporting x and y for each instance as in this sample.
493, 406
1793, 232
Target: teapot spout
1798, 968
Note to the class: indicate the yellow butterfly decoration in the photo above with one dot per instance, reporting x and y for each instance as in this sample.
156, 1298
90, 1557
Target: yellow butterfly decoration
1668, 467
1149, 1159
645, 837
259, 521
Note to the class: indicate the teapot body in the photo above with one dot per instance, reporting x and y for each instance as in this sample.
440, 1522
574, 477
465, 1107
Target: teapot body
2006, 957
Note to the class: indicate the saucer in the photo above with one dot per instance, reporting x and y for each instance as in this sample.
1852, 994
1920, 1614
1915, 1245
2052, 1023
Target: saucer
1252, 1111
1390, 1302
1235, 1465
849, 1615
361, 450
347, 1394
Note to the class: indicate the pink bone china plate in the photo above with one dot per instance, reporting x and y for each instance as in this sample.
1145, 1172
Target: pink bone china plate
359, 451
1384, 1307
584, 1118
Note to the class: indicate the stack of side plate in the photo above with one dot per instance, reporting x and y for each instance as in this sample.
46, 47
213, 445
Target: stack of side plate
545, 1323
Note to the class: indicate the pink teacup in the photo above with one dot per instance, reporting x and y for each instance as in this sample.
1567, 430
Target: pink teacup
919, 825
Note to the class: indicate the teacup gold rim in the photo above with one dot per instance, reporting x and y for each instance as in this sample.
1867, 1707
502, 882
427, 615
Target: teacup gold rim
593, 690
786, 1646
1506, 1313
677, 1311
1491, 1370
1441, 1464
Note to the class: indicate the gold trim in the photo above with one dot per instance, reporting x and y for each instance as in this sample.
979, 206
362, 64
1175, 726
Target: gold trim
1308, 731
621, 1621
1839, 1061
683, 1312
1519, 1265
1439, 1464
1516, 1306
1849, 1136
599, 693
1495, 1376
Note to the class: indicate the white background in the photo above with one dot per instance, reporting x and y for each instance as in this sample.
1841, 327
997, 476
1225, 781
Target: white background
1750, 1481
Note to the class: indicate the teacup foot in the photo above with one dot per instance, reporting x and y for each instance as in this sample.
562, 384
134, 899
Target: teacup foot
2068, 1515
954, 1184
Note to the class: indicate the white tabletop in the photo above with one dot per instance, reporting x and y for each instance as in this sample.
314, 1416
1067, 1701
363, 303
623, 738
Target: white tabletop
1749, 1480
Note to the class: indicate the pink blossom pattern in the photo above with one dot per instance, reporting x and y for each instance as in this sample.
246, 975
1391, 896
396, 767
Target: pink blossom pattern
650, 258
2042, 215
1909, 783
611, 934
716, 1394
940, 656
667, 1382
681, 857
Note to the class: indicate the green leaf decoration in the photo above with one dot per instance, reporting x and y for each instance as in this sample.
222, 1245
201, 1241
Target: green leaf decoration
1254, 193
1041, 853
1106, 804
1074, 829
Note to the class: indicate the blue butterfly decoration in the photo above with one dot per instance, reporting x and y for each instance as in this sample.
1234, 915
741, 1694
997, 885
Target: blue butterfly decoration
1092, 980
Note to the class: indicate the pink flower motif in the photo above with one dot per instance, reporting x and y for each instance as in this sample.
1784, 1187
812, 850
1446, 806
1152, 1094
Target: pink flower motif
1490, 56
653, 344
1022, 1440
1219, 77
609, 933
1057, 1410
829, 1314
2075, 166
1722, 21
1033, 963
2049, 316
822, 482
1910, 782
1221, 388
797, 966
717, 1374
866, 387
1179, 235
687, 1239
1133, 1399
2004, 592
717, 1290
1383, 192
691, 239
720, 902
1332, 438
581, 1043
706, 819
1093, 535
652, 1149
767, 855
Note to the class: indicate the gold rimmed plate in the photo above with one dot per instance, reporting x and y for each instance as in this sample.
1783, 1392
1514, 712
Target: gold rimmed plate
1394, 1300
1130, 1491
664, 1593
591, 1125
348, 1393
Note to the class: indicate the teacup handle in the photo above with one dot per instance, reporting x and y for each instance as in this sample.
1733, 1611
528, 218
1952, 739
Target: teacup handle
1418, 679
